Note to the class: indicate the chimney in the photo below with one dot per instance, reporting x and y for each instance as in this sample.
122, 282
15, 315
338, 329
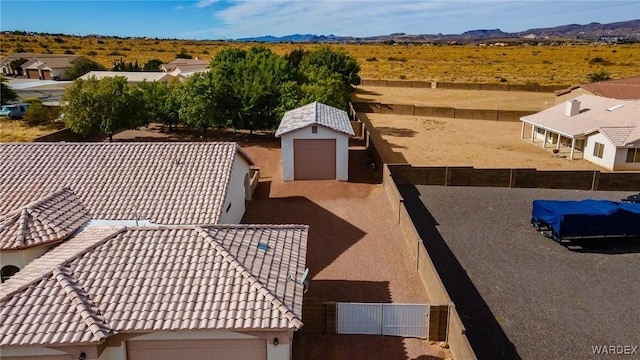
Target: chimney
573, 108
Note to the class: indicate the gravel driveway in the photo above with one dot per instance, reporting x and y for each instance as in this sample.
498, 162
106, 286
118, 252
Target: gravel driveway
511, 285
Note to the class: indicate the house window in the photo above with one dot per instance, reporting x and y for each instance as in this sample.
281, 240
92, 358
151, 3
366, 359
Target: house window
598, 150
7, 272
314, 129
633, 155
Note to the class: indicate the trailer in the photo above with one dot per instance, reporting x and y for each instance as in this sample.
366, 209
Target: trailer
585, 219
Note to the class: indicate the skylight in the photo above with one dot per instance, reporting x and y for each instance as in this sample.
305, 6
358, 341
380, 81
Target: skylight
615, 107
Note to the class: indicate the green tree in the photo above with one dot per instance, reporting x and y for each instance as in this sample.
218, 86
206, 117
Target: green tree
126, 66
152, 65
335, 61
37, 113
160, 101
103, 106
183, 54
197, 102
7, 94
324, 86
16, 65
80, 67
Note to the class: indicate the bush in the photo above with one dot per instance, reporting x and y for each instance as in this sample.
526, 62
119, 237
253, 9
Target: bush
599, 61
38, 114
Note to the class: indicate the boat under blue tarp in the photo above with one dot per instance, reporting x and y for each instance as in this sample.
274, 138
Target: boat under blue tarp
570, 219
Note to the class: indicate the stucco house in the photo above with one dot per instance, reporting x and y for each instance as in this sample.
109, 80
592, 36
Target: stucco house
159, 292
130, 183
601, 130
185, 67
315, 143
48, 66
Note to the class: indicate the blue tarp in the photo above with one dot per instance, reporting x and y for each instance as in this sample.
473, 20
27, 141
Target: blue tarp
587, 218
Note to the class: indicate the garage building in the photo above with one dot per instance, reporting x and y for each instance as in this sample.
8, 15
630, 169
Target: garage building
315, 143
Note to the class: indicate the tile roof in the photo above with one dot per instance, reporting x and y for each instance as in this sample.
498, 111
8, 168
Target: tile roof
114, 280
617, 117
315, 114
623, 89
45, 221
165, 183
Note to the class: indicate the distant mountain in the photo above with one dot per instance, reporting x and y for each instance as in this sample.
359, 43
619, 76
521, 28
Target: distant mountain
624, 31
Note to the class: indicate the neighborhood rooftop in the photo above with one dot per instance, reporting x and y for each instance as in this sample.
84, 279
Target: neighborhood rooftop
619, 120
315, 114
164, 183
111, 280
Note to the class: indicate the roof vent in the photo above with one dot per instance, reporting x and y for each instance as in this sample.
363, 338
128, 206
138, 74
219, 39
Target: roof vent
263, 246
615, 107
573, 108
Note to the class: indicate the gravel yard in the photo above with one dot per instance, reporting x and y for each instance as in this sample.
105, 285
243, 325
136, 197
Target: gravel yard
551, 301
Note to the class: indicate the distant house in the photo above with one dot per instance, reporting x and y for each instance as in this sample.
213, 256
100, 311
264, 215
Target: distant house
48, 66
131, 76
601, 130
315, 143
5, 62
159, 292
621, 89
185, 67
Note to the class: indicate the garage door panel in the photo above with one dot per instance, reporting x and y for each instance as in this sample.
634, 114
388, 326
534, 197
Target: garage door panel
314, 159
220, 349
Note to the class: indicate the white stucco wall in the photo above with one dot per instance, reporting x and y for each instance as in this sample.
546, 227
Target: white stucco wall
21, 258
235, 193
621, 160
608, 156
342, 150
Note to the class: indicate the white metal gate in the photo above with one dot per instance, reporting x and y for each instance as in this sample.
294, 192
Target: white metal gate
406, 320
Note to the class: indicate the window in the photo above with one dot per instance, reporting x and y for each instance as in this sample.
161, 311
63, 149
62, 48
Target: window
633, 155
598, 150
7, 272
314, 129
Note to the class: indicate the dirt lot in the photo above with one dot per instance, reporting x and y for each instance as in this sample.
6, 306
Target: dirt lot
462, 99
551, 301
436, 141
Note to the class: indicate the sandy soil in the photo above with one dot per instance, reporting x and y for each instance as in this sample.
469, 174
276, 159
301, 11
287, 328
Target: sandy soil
423, 141
462, 99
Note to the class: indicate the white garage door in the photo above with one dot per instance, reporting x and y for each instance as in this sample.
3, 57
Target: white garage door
314, 159
222, 349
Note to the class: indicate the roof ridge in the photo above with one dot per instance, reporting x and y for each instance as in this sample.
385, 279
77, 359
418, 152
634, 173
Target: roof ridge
253, 281
88, 311
111, 235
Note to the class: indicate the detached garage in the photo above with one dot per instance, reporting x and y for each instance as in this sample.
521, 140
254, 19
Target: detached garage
315, 143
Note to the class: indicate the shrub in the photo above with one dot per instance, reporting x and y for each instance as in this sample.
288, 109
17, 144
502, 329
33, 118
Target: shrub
599, 61
38, 114
401, 59
598, 76
92, 53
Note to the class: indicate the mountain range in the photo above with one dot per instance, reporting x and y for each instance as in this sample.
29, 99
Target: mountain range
624, 31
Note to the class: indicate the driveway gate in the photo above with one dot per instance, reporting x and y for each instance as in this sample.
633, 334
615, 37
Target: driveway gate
406, 320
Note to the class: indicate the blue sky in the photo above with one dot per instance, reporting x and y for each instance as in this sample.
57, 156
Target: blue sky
218, 19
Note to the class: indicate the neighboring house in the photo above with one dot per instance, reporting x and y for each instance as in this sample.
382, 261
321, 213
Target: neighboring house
315, 143
167, 292
155, 183
131, 76
31, 230
621, 89
48, 66
5, 62
601, 130
185, 67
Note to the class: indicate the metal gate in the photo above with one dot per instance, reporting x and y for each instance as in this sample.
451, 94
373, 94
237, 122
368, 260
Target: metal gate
406, 320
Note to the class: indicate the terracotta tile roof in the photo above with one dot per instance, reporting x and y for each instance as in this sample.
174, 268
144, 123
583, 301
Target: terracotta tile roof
622, 89
315, 114
166, 183
617, 117
45, 221
113, 280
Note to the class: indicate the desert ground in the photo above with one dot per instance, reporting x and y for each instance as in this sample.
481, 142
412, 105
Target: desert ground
436, 141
